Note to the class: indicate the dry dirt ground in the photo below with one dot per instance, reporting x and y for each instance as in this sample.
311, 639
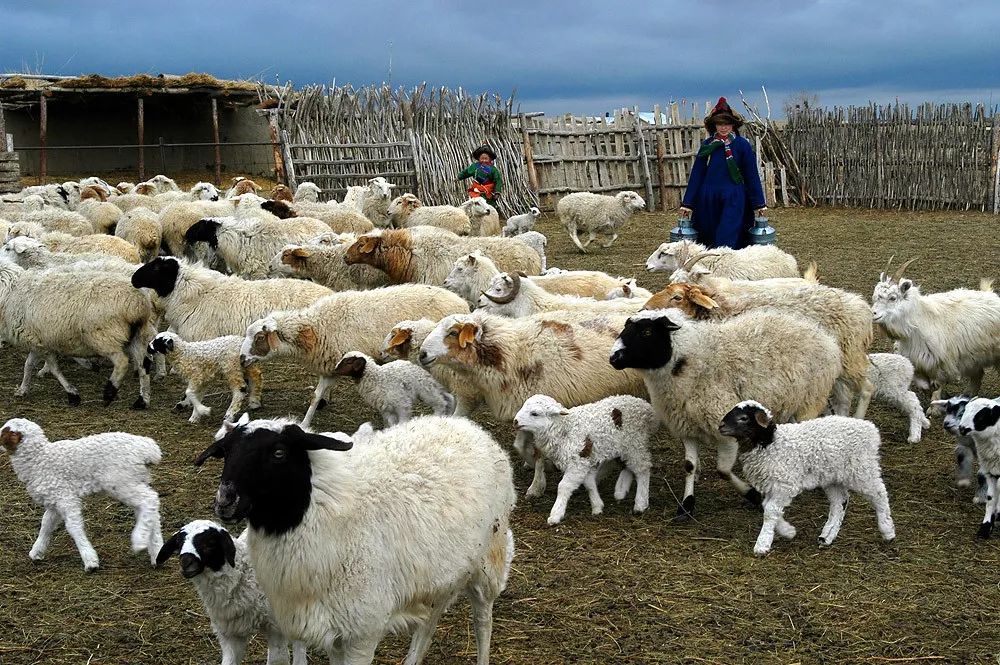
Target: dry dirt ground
609, 589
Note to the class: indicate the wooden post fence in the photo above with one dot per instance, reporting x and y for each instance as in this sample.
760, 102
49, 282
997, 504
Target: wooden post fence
141, 135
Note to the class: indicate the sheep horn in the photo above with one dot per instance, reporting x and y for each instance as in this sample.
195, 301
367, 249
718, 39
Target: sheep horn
515, 287
696, 258
885, 271
899, 273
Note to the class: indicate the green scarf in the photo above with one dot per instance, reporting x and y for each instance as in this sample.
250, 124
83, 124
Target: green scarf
717, 142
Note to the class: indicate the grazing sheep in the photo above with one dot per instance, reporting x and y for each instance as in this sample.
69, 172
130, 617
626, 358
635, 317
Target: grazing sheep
837, 454
103, 216
427, 256
407, 211
349, 546
91, 244
753, 262
581, 440
597, 215
510, 295
324, 264
980, 423
201, 304
141, 227
320, 334
392, 389
694, 369
891, 375
202, 362
948, 336
220, 569
521, 223
59, 474
484, 218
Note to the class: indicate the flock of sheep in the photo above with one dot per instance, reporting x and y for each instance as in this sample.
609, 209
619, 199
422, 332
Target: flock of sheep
353, 535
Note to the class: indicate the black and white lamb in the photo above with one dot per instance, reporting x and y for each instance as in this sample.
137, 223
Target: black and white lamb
981, 422
220, 570
392, 388
965, 446
59, 474
582, 440
835, 453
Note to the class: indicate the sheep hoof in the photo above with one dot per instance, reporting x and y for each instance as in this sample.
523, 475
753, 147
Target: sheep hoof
110, 393
20, 392
984, 530
963, 483
822, 542
253, 406
321, 405
685, 511
761, 552
754, 497
552, 521
140, 404
179, 407
73, 399
91, 568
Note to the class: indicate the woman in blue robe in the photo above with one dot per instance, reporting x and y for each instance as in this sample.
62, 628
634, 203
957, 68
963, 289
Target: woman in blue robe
723, 191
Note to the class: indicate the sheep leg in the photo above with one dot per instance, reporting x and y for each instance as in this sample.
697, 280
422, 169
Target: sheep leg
623, 484
237, 391
608, 243
120, 361
233, 649
590, 482
864, 399
774, 508
571, 480
724, 464
840, 398
198, 410
29, 370
838, 498
465, 405
144, 500
50, 522
982, 487
965, 455
254, 378
910, 405
72, 394
277, 648
323, 384
641, 490
361, 651
877, 496
538, 481
299, 654
73, 518
420, 642
482, 621
571, 227
991, 504
686, 509
591, 237
183, 403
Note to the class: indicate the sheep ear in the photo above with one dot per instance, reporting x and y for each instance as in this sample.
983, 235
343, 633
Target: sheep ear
244, 420
762, 419
272, 340
310, 441
230, 548
215, 450
563, 412
467, 334
368, 244
171, 547
627, 290
700, 299
905, 285
400, 337
301, 253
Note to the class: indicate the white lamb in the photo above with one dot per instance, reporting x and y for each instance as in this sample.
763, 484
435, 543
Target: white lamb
891, 374
202, 362
391, 389
835, 453
220, 569
59, 474
521, 223
597, 215
581, 440
308, 192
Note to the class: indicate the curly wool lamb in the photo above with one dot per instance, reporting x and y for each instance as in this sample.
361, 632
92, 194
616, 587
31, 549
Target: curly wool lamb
581, 440
59, 474
837, 454
521, 223
596, 214
393, 388
891, 375
201, 363
219, 568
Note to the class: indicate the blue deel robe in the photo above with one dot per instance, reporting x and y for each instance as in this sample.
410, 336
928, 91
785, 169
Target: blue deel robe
722, 211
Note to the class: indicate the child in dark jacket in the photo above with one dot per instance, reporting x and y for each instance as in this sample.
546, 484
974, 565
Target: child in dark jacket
486, 179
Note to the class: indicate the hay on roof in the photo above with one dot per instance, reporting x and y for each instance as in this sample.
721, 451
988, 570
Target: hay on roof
14, 83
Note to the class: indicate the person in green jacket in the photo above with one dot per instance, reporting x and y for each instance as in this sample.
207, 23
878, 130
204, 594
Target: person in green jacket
486, 179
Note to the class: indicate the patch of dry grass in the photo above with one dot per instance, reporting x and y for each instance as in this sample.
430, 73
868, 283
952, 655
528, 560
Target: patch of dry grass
609, 589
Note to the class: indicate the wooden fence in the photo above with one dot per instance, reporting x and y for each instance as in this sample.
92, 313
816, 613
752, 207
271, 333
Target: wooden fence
420, 139
10, 170
929, 158
625, 152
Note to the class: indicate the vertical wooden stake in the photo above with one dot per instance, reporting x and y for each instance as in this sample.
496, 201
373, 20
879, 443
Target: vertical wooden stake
43, 131
529, 158
279, 163
995, 157
661, 149
286, 150
784, 186
141, 121
215, 139
643, 159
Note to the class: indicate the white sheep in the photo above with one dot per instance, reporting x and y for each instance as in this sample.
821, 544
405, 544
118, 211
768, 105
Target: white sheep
484, 218
511, 295
392, 388
596, 214
538, 242
141, 227
323, 263
694, 369
219, 568
59, 474
753, 262
980, 423
422, 507
837, 454
581, 440
320, 334
29, 252
627, 289
408, 211
948, 336
521, 223
59, 220
97, 243
308, 192
201, 363
891, 375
